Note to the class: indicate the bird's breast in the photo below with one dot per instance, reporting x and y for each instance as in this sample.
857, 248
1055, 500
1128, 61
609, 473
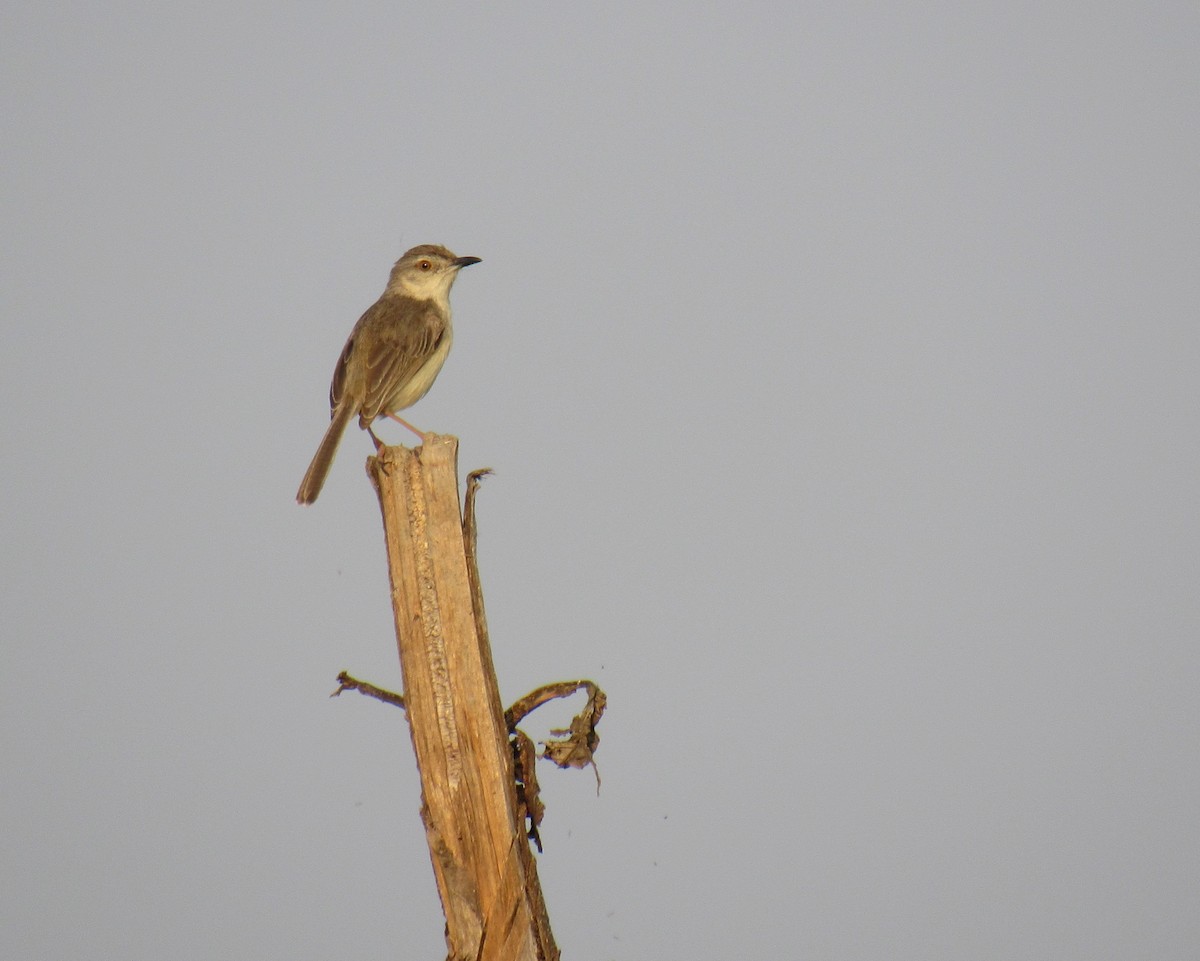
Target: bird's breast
417, 386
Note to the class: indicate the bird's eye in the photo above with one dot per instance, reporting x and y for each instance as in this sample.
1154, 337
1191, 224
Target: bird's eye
424, 265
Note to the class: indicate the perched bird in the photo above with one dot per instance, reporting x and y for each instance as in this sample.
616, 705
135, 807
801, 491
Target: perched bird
394, 353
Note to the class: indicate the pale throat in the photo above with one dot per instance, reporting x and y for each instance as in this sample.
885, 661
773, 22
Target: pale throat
436, 289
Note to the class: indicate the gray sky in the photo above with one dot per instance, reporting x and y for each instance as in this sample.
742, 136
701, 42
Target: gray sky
837, 364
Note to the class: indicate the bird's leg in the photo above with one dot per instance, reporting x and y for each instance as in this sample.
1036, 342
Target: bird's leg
375, 440
401, 420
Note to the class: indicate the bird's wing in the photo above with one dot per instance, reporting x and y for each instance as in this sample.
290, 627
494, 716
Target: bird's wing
399, 349
337, 386
395, 349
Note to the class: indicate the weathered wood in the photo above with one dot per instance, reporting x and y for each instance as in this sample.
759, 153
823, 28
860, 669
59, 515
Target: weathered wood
484, 872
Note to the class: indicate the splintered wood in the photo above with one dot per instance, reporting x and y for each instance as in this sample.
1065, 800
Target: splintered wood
481, 859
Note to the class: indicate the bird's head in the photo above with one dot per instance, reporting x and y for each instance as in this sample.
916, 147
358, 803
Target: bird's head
427, 272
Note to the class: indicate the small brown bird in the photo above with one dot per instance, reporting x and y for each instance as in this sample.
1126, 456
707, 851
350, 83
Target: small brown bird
393, 355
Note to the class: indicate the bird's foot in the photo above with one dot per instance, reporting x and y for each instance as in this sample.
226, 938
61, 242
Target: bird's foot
400, 420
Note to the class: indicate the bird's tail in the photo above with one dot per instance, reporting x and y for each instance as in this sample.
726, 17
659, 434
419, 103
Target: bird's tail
314, 478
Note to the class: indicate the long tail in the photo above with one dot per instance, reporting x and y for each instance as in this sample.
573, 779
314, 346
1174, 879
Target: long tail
322, 460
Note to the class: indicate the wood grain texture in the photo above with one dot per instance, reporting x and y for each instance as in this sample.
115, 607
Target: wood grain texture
485, 875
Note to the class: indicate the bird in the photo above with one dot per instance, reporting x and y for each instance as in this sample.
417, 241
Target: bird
393, 354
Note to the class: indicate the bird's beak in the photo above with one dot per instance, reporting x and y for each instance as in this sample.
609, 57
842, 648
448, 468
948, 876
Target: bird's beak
464, 261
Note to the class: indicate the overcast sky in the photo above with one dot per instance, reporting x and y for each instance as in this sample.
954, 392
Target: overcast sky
837, 363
